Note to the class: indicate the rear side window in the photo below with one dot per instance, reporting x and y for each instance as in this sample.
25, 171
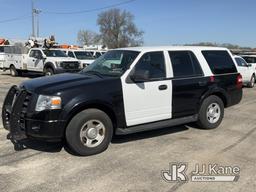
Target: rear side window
240, 62
220, 62
185, 64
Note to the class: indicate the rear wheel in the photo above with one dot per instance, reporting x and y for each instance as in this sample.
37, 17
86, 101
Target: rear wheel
211, 113
89, 132
13, 71
48, 71
252, 82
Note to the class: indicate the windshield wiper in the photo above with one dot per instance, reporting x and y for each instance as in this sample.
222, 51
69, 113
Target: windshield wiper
94, 73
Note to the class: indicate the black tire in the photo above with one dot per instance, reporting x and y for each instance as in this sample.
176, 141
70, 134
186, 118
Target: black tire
48, 71
252, 82
76, 125
203, 118
13, 71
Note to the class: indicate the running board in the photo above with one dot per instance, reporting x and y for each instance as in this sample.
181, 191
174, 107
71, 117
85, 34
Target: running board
156, 125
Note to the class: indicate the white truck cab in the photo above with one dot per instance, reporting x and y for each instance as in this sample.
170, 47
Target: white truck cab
85, 57
47, 61
246, 70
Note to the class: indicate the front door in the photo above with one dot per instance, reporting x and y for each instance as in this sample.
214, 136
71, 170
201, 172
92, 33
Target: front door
149, 100
35, 61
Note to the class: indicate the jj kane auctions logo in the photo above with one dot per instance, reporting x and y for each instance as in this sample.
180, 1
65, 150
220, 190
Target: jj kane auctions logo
201, 173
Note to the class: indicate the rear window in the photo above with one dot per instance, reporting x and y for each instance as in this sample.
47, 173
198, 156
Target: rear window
220, 62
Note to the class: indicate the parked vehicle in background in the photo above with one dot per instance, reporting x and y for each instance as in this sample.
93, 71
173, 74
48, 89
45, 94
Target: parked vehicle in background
85, 57
95, 53
251, 59
246, 70
41, 60
2, 55
126, 91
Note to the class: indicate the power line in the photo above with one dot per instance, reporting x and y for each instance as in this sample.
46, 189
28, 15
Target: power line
16, 19
90, 10
68, 13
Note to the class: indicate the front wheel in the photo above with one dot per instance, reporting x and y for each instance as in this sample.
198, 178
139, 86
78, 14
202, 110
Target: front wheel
89, 132
211, 113
48, 72
252, 82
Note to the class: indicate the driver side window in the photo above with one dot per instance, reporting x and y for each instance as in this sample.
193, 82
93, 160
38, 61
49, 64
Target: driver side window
32, 53
154, 64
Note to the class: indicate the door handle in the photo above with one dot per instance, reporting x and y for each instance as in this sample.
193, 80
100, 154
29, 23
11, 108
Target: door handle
162, 87
202, 83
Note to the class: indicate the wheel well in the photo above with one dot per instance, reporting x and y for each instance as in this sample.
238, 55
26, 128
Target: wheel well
222, 97
48, 65
101, 107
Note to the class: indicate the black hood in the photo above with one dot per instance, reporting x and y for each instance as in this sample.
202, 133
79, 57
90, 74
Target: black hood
59, 83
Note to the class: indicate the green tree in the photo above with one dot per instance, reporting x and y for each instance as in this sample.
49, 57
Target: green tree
118, 29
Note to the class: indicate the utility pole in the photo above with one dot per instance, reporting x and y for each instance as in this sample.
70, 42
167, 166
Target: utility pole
35, 20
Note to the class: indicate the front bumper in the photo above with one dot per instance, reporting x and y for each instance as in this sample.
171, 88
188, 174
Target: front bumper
16, 120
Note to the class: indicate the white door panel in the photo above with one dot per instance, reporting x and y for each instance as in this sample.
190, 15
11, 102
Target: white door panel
144, 102
244, 72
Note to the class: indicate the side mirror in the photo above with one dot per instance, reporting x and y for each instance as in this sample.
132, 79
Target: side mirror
249, 64
140, 76
43, 57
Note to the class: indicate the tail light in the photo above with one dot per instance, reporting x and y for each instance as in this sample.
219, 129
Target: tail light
212, 79
239, 81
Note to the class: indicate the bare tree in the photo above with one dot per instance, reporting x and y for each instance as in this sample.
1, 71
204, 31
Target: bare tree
118, 29
87, 37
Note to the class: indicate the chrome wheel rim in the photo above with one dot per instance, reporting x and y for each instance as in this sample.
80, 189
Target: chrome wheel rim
92, 133
253, 81
12, 72
48, 73
213, 113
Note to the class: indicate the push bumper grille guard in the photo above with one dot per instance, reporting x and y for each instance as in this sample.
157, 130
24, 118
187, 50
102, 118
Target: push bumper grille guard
14, 111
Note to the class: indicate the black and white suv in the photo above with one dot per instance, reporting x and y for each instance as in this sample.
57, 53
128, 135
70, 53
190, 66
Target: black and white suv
125, 91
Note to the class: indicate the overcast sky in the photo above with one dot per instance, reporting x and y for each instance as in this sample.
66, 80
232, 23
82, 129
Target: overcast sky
164, 22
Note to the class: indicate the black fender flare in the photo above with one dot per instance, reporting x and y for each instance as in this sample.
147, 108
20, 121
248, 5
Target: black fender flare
220, 92
70, 112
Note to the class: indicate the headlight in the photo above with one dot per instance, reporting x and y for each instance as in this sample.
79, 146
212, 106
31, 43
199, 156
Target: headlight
85, 65
48, 102
58, 63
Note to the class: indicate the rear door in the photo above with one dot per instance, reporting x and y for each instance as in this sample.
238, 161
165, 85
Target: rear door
243, 69
150, 100
188, 83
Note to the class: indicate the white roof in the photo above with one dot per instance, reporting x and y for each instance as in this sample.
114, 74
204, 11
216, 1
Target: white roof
247, 55
170, 48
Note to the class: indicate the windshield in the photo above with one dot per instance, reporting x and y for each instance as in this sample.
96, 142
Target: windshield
113, 63
83, 55
54, 53
250, 59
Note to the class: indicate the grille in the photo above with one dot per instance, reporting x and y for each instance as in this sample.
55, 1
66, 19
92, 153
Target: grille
70, 65
15, 108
